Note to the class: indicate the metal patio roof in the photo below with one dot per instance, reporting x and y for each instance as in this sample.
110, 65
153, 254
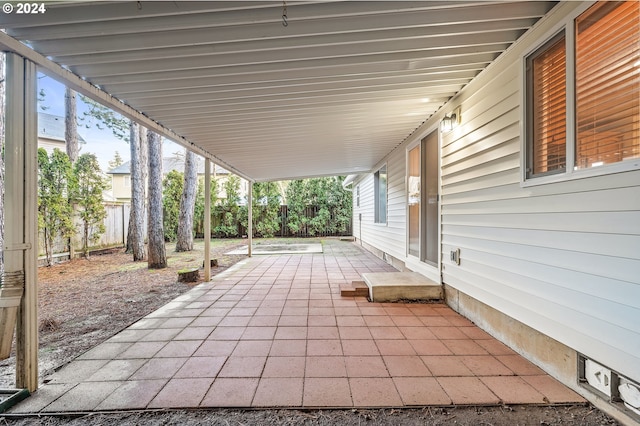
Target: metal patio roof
331, 93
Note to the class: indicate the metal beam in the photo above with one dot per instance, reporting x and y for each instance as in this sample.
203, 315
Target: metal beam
76, 83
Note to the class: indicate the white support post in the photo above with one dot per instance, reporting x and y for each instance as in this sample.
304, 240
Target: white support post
207, 219
250, 219
21, 216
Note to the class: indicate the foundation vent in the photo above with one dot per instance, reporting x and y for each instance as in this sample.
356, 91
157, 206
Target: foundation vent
616, 388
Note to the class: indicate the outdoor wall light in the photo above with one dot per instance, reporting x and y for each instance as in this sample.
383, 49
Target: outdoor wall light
449, 122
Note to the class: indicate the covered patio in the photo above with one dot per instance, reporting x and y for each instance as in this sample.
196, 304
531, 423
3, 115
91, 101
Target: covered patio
268, 90
273, 331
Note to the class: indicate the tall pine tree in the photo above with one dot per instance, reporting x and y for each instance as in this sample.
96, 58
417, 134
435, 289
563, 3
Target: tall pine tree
157, 253
187, 202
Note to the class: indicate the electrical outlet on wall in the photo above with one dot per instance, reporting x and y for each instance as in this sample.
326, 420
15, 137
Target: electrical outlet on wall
455, 256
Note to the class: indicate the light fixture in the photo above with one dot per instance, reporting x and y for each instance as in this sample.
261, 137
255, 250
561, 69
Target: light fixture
449, 122
446, 125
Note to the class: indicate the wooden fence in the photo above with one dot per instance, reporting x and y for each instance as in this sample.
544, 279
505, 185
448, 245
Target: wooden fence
116, 225
310, 212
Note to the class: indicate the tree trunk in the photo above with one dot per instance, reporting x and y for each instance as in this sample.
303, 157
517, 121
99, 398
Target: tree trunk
85, 240
135, 239
1, 165
70, 125
134, 132
157, 254
188, 202
48, 247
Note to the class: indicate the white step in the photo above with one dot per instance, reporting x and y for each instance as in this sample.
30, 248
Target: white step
392, 286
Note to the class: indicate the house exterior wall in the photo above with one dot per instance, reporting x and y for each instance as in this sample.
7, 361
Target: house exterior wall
119, 187
122, 190
390, 234
389, 238
50, 144
560, 258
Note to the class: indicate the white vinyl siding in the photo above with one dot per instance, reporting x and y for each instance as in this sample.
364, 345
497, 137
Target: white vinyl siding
562, 258
390, 238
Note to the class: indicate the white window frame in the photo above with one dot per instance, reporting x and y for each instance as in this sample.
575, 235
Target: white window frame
571, 173
376, 196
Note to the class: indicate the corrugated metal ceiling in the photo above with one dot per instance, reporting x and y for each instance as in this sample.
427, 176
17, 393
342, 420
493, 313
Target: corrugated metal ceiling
331, 93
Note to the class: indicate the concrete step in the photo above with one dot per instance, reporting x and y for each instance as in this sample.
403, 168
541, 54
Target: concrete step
355, 289
393, 286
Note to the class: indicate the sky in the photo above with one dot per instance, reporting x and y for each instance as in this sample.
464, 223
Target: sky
102, 143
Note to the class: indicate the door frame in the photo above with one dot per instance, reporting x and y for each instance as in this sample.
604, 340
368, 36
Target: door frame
415, 263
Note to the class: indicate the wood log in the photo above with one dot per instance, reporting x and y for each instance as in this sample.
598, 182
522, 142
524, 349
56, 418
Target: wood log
188, 275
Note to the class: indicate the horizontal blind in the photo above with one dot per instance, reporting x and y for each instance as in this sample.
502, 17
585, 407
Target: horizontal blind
608, 84
548, 85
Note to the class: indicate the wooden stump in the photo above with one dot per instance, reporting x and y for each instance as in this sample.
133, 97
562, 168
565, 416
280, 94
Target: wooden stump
188, 275
214, 263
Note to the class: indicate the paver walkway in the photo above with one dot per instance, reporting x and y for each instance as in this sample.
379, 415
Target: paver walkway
273, 331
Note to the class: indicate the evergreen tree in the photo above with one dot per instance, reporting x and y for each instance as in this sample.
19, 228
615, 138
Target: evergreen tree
87, 194
103, 117
128, 131
55, 212
198, 211
332, 204
229, 208
266, 207
317, 194
296, 206
116, 162
342, 205
172, 190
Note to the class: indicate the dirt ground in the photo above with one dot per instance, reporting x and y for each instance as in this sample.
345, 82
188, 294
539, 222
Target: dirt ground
464, 416
84, 302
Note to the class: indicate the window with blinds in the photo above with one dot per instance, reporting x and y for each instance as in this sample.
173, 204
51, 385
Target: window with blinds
608, 84
547, 96
605, 91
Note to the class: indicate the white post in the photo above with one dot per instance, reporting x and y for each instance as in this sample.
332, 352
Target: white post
21, 177
250, 219
207, 219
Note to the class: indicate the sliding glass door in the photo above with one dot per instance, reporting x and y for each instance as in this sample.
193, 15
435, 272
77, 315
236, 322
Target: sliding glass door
422, 200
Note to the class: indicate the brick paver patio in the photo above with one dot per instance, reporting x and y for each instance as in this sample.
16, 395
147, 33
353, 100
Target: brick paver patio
273, 331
